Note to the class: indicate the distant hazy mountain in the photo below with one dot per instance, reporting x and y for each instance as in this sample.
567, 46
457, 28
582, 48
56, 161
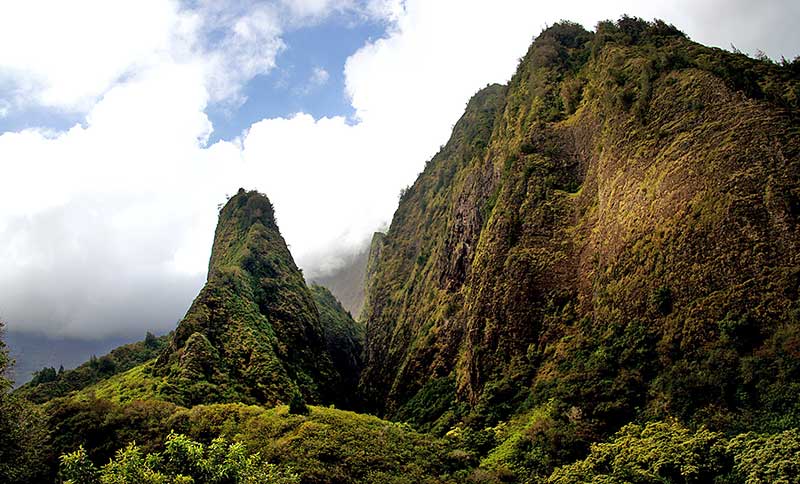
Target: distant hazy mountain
347, 282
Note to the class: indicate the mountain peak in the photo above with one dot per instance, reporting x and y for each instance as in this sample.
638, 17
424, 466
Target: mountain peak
254, 331
246, 215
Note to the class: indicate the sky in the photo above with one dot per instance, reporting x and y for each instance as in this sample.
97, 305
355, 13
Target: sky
124, 125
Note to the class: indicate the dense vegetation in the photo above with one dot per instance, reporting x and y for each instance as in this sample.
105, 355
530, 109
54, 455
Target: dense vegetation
324, 445
595, 280
48, 383
22, 431
182, 461
611, 236
344, 342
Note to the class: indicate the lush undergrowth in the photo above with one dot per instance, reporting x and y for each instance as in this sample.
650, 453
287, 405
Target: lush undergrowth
326, 445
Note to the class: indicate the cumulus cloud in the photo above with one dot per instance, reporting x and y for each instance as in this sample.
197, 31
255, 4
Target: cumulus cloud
106, 228
57, 53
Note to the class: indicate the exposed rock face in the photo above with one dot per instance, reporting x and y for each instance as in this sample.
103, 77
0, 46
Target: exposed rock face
621, 217
254, 331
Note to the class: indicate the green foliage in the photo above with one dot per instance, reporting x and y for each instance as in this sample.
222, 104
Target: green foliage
182, 461
77, 468
662, 300
344, 341
668, 452
760, 458
22, 431
433, 407
48, 384
533, 443
326, 445
664, 452
44, 375
297, 405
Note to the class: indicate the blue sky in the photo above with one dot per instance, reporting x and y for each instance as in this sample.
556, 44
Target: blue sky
292, 87
308, 78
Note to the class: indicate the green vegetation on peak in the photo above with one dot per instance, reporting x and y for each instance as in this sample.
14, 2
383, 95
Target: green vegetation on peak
254, 333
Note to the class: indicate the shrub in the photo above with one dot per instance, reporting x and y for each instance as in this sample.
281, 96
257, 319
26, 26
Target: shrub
297, 405
183, 461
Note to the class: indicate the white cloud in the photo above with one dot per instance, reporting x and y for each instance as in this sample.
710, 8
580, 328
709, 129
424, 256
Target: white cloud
303, 10
319, 77
109, 224
71, 56
66, 54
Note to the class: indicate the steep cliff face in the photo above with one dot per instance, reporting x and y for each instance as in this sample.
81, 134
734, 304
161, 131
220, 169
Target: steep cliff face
415, 272
344, 342
615, 230
254, 332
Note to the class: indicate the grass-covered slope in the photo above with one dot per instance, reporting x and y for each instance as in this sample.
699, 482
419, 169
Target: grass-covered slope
615, 231
326, 446
49, 383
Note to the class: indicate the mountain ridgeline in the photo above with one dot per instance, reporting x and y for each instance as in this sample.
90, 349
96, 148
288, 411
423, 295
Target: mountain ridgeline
597, 279
614, 232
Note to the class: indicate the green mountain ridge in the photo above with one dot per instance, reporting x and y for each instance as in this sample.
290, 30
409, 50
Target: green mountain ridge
48, 383
615, 230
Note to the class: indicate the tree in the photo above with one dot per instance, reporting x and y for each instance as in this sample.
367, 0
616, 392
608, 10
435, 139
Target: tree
5, 384
46, 374
297, 405
150, 340
183, 461
665, 452
22, 432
